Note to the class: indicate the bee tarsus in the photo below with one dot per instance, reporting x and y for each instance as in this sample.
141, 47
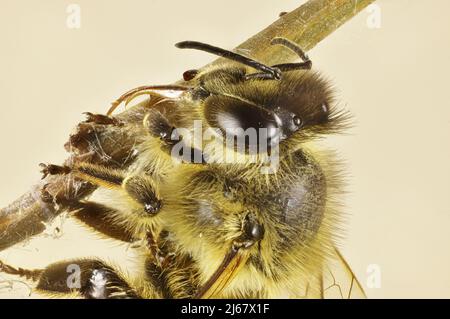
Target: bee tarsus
51, 169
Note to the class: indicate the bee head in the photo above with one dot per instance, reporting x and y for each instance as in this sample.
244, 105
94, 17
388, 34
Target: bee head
303, 103
265, 107
262, 113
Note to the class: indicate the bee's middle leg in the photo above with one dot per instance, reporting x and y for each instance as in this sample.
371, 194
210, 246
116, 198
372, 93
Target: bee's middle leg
99, 217
142, 189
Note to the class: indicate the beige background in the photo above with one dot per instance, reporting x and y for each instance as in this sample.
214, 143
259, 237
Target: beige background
393, 79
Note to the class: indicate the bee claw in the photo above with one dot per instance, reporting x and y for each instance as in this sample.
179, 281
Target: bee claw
46, 197
44, 170
50, 169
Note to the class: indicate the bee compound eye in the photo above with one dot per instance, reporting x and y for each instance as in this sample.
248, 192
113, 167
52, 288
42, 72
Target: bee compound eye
248, 124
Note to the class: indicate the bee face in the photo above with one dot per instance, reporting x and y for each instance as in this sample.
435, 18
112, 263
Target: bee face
297, 104
301, 102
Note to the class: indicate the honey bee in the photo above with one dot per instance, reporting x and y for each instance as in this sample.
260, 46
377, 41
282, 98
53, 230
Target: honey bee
229, 190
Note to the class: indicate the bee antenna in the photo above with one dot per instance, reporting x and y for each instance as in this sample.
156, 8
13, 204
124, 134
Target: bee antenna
270, 71
306, 64
292, 46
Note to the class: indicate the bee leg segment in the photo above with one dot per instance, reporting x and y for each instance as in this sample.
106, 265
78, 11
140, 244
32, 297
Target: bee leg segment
98, 217
95, 174
143, 191
146, 89
101, 119
158, 126
235, 259
50, 169
161, 257
139, 188
32, 274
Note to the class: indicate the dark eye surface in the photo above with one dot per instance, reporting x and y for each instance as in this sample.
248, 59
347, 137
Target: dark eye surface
244, 116
239, 119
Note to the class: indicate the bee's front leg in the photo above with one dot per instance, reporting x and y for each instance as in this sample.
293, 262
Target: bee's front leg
140, 188
159, 127
98, 217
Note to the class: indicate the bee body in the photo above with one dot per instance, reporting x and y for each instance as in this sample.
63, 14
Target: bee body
228, 191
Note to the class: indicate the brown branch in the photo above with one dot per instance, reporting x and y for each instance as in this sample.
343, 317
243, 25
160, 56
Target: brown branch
113, 145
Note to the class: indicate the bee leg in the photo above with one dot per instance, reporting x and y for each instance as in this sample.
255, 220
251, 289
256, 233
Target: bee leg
31, 274
101, 119
158, 126
150, 90
91, 279
95, 174
161, 256
51, 169
98, 217
140, 188
144, 191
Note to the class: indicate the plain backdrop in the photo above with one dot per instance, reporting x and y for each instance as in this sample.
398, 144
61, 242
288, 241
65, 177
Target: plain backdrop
394, 79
